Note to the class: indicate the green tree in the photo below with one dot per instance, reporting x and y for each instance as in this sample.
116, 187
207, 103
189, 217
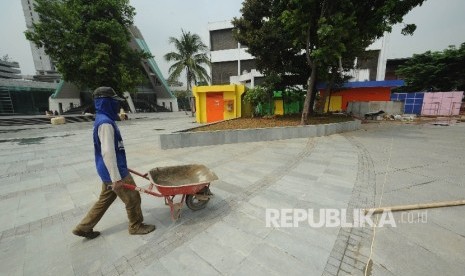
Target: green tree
190, 57
89, 42
326, 31
262, 31
435, 71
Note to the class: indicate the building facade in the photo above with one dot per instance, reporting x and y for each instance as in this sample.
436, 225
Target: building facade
154, 94
9, 70
230, 61
45, 68
157, 85
24, 97
19, 96
392, 65
232, 64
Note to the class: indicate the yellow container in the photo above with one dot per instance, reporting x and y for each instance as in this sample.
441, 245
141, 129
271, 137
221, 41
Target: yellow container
278, 107
217, 102
336, 103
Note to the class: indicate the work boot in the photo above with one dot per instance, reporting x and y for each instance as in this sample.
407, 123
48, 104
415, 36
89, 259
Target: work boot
88, 235
143, 229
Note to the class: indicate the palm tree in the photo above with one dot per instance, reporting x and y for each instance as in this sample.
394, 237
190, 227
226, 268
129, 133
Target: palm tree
190, 57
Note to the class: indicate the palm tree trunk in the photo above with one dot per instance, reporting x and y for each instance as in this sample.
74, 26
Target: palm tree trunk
189, 88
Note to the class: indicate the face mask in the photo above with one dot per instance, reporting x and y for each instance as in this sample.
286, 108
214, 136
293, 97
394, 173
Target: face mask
115, 106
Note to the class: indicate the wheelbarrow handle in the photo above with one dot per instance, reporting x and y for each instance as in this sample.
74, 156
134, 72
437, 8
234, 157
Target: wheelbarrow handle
145, 175
141, 190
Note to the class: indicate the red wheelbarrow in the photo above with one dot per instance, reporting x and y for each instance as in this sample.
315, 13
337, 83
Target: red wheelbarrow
190, 182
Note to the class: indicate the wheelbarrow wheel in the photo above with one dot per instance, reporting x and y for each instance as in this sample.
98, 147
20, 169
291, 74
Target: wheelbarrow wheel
194, 203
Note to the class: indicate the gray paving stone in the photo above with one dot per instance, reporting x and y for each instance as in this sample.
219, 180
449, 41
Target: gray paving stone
8, 233
112, 272
334, 262
182, 261
124, 267
278, 260
348, 268
313, 258
43, 202
331, 269
247, 223
230, 236
249, 267
153, 268
412, 179
223, 258
12, 255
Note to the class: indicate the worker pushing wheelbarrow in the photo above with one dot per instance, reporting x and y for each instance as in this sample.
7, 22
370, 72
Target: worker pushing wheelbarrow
190, 182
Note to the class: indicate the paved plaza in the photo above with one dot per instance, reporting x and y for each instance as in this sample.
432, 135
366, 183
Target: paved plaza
48, 182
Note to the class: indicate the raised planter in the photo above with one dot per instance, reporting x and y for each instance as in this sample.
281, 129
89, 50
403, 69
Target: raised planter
219, 137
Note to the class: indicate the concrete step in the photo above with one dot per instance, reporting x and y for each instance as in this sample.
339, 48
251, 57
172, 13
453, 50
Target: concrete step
41, 120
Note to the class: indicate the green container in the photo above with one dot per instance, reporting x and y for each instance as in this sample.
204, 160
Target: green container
277, 94
292, 107
264, 109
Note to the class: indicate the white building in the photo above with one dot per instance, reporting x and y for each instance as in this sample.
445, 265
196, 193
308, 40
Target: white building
45, 68
232, 64
230, 61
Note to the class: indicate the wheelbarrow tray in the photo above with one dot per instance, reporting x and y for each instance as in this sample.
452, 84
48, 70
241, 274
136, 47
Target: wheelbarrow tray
184, 179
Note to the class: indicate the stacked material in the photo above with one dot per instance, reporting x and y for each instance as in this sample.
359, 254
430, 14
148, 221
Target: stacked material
58, 120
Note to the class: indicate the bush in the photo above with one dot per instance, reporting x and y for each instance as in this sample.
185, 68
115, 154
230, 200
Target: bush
256, 96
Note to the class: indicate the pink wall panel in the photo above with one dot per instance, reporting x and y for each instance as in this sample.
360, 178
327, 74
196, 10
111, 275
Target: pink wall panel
442, 103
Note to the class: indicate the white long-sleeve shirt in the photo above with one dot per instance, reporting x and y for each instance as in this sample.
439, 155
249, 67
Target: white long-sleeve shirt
106, 135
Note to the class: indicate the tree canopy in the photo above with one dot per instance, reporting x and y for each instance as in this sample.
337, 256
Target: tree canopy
190, 57
260, 28
435, 71
89, 42
316, 35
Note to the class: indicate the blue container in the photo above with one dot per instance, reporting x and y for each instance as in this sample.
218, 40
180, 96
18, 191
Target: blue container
413, 102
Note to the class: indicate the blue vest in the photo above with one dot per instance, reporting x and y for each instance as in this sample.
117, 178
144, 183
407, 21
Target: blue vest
102, 170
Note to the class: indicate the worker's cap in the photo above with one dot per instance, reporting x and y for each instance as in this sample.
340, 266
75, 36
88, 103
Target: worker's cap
106, 92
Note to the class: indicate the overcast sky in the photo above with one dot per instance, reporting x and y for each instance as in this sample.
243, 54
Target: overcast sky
439, 24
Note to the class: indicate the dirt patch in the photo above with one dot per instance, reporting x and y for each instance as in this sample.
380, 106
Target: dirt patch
274, 121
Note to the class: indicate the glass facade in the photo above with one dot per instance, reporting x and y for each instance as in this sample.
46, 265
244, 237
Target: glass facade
24, 100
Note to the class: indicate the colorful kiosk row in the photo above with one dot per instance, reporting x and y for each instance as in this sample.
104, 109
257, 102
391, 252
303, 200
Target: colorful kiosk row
222, 102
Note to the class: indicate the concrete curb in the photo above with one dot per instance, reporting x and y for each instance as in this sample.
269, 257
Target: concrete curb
207, 138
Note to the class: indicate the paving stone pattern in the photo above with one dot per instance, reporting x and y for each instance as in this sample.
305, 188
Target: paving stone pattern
417, 164
48, 182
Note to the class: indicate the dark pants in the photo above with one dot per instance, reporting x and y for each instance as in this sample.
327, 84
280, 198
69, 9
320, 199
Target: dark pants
130, 198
